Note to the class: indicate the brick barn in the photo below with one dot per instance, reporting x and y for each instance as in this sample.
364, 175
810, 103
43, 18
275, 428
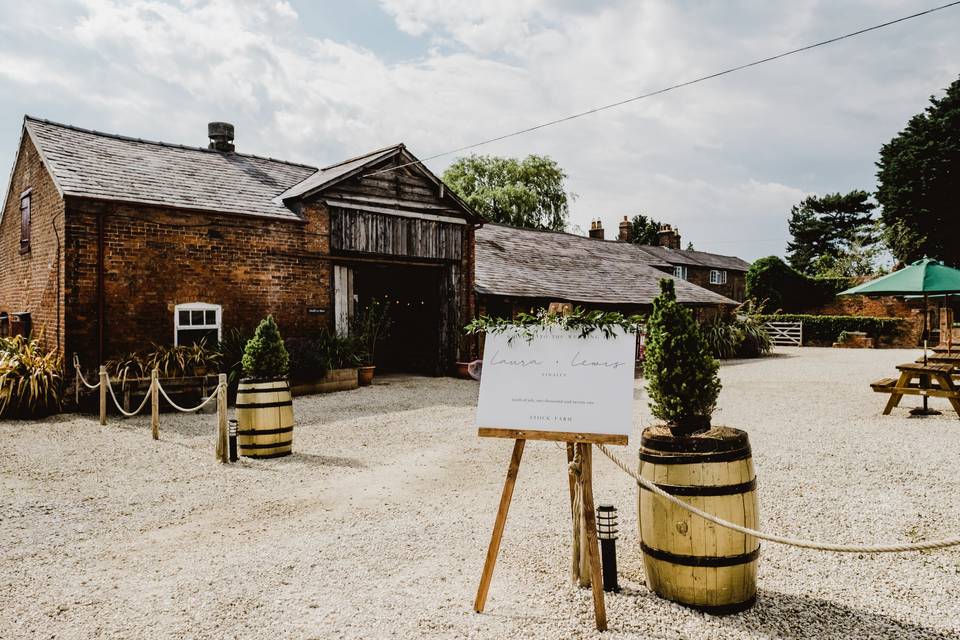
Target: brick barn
109, 243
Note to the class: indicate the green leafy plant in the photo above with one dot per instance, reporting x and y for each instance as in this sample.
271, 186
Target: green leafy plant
723, 337
170, 362
527, 325
370, 327
231, 348
311, 358
683, 384
31, 379
129, 367
265, 356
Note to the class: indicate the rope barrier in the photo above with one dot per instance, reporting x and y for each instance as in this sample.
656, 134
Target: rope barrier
794, 542
117, 403
76, 365
179, 408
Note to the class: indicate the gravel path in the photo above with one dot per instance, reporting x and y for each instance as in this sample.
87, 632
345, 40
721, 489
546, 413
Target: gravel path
377, 526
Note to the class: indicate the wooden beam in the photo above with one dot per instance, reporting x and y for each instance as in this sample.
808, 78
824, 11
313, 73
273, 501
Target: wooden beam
553, 436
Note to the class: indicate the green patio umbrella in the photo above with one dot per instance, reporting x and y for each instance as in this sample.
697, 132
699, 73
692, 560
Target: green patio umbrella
926, 277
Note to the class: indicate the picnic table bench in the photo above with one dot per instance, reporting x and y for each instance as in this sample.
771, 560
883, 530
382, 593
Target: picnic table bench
938, 373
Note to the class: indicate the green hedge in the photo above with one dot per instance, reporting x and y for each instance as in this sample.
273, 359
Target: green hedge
786, 289
826, 329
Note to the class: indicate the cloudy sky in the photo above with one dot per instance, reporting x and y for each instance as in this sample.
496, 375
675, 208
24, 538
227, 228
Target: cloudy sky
320, 81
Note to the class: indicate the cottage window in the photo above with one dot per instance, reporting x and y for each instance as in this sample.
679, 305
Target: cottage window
196, 321
680, 271
718, 277
25, 221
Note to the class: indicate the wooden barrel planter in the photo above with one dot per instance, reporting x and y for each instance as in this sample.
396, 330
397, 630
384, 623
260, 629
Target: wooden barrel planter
687, 559
264, 418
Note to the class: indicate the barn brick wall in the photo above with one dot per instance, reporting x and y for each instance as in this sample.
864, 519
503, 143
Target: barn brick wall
33, 281
156, 258
735, 289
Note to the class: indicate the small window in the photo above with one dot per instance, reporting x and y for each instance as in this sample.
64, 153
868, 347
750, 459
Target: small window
680, 271
196, 321
718, 277
25, 222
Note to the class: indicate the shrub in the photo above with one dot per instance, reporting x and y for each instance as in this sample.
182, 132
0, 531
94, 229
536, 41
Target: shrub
311, 358
265, 356
787, 289
824, 329
170, 362
231, 348
31, 380
682, 375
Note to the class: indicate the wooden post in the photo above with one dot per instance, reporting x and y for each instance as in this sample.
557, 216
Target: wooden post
222, 436
103, 394
126, 398
155, 403
590, 543
574, 516
498, 525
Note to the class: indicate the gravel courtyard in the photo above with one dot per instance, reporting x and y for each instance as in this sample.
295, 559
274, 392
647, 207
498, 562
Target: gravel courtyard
377, 526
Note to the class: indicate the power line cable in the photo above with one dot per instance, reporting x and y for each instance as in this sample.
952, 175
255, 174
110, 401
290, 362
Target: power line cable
673, 87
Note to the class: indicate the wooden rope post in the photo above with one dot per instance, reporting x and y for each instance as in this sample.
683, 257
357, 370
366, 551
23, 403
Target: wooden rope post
103, 394
222, 436
155, 403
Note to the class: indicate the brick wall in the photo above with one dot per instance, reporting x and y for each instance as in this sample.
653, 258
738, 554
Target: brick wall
33, 281
156, 258
884, 307
735, 288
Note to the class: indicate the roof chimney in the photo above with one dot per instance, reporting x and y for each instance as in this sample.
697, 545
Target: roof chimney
668, 237
624, 230
221, 136
596, 229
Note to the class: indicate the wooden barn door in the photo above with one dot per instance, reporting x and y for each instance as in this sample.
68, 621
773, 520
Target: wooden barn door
342, 298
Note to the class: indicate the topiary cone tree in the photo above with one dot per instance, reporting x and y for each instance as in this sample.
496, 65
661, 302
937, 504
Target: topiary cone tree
265, 355
682, 379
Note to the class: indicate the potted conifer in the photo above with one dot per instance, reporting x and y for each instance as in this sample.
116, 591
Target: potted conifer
705, 567
264, 405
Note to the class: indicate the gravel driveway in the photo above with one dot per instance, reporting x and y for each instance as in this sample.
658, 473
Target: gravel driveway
377, 526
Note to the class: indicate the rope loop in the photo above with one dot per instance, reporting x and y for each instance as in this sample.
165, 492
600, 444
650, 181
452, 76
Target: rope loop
794, 542
182, 409
120, 408
76, 365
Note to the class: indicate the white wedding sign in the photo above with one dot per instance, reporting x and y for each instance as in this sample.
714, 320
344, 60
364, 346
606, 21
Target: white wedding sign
558, 381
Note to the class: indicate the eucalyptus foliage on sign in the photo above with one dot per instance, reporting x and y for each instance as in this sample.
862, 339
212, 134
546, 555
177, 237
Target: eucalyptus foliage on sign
586, 322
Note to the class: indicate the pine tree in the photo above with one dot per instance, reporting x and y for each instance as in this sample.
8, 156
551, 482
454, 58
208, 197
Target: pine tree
265, 355
682, 375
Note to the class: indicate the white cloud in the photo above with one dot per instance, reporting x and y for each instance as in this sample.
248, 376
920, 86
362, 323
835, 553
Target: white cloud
724, 159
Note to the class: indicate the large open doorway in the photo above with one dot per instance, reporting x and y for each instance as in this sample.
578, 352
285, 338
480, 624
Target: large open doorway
413, 296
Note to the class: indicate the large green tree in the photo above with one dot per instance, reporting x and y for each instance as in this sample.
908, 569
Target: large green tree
918, 183
826, 228
643, 230
523, 193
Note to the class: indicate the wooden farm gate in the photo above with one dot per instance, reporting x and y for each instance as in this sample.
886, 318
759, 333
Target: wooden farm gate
785, 334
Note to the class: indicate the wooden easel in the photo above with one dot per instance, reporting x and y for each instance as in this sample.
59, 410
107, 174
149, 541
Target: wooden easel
577, 443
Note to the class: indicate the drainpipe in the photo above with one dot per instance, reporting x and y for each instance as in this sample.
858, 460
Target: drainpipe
101, 317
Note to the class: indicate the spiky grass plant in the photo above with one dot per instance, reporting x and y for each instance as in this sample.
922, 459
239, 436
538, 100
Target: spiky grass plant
31, 379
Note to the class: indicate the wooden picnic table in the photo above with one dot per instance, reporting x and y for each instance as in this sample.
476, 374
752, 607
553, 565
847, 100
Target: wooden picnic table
933, 379
942, 358
944, 348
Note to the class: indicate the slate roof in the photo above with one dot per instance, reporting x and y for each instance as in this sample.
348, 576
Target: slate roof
92, 164
547, 264
696, 258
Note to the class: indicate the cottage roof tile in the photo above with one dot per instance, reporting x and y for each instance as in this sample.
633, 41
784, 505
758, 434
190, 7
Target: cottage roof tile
545, 264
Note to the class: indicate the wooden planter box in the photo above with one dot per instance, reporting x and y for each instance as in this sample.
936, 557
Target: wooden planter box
856, 340
335, 380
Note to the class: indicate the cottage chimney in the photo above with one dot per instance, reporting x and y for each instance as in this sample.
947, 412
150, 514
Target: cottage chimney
668, 237
624, 230
596, 229
221, 136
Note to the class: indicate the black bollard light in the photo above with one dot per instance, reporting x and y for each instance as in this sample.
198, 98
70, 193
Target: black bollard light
607, 532
232, 437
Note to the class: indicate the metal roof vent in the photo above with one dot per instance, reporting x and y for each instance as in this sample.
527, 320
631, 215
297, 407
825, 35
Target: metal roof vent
221, 136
